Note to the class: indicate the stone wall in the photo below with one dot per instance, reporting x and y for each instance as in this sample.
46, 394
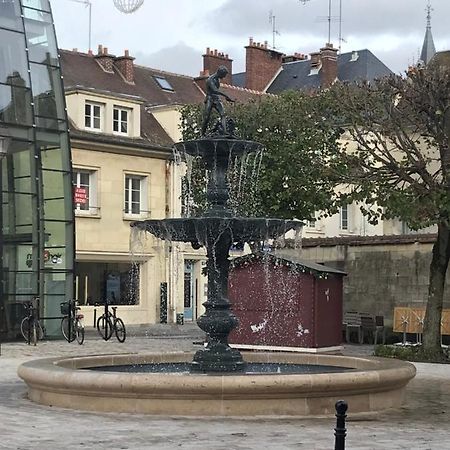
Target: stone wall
383, 271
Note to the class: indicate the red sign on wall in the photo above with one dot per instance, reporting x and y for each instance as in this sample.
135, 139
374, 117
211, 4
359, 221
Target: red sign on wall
80, 195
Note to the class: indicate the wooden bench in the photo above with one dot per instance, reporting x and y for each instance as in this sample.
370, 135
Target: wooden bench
352, 323
365, 326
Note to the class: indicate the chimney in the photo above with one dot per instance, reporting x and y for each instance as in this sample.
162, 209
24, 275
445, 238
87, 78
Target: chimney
261, 65
294, 57
328, 73
315, 60
212, 59
125, 66
105, 60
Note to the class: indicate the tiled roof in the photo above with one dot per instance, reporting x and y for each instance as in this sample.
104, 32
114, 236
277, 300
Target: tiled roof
240, 94
82, 70
239, 79
352, 66
442, 58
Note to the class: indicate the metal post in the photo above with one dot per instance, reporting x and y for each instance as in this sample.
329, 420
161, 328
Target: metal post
340, 430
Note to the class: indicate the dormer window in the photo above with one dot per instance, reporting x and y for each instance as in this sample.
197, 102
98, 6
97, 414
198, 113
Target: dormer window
354, 57
163, 83
92, 116
121, 117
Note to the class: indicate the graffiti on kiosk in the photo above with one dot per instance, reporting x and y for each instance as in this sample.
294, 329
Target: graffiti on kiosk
52, 258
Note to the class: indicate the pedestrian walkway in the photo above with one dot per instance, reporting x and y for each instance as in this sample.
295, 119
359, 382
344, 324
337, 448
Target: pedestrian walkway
423, 422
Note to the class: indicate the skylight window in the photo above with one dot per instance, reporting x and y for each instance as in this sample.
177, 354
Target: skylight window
163, 83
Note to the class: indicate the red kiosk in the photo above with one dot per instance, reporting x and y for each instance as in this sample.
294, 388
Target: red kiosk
285, 304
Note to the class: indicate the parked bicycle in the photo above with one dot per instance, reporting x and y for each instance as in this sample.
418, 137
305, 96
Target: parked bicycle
108, 323
72, 323
30, 327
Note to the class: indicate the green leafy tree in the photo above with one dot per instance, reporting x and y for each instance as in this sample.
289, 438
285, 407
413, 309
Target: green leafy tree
399, 162
295, 174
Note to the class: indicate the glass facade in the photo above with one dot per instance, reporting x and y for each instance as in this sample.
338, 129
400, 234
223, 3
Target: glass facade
36, 214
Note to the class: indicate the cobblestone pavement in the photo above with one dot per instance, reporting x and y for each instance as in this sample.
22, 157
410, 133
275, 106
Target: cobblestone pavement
423, 423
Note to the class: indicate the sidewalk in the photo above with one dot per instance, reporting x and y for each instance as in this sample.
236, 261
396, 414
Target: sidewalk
423, 423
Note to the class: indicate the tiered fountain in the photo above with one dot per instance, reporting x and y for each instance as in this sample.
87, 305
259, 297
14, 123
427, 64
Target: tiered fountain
217, 230
219, 380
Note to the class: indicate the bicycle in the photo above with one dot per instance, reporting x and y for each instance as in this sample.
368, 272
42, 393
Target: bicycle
109, 322
30, 327
71, 324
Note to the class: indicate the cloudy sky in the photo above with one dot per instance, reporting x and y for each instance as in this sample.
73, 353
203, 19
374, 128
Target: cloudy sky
173, 34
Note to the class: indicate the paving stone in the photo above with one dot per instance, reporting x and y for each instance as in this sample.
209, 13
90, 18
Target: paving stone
421, 424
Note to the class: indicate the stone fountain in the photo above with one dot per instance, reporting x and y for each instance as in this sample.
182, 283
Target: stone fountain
218, 379
217, 230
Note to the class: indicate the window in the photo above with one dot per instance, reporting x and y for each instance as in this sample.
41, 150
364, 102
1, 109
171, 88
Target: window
92, 116
84, 191
135, 195
120, 120
311, 223
163, 83
344, 222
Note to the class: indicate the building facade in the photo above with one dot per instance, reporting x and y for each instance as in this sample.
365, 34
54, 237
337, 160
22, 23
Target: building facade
124, 120
36, 220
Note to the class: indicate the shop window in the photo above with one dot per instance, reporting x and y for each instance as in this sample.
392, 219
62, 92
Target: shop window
85, 191
121, 119
117, 282
135, 195
92, 116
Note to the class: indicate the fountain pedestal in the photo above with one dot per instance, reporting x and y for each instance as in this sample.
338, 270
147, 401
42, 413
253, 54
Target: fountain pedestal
218, 320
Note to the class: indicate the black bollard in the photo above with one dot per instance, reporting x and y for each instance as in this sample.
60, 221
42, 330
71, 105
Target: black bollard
340, 430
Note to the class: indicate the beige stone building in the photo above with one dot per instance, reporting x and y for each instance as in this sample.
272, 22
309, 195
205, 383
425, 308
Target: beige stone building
123, 171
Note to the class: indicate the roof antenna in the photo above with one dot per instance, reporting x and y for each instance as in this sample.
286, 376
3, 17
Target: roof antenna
329, 18
274, 28
341, 39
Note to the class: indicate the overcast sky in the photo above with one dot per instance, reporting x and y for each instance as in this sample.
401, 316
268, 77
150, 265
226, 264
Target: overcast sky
173, 34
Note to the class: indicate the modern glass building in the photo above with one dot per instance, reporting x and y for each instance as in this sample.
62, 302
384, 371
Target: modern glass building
36, 217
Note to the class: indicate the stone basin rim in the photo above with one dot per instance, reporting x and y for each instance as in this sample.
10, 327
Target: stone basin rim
378, 383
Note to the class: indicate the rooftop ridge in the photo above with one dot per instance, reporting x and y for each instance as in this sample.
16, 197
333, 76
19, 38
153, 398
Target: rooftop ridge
251, 91
140, 66
339, 56
164, 72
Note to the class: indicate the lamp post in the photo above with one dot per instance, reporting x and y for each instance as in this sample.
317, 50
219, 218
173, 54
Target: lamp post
5, 142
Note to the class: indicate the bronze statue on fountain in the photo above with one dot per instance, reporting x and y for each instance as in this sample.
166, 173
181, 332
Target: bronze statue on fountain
218, 229
224, 126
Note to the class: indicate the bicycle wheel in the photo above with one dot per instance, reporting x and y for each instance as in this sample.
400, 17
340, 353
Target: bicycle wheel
119, 328
65, 330
35, 334
79, 331
104, 327
25, 329
39, 331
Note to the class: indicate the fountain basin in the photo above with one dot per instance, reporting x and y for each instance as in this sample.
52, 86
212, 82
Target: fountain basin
198, 229
373, 384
